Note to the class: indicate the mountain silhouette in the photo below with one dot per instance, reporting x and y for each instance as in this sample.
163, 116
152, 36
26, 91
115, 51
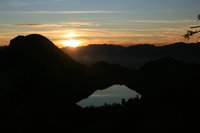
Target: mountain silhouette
102, 75
37, 72
41, 83
2, 47
135, 56
168, 81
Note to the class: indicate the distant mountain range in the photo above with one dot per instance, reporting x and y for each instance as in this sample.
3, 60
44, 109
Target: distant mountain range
40, 86
36, 72
134, 56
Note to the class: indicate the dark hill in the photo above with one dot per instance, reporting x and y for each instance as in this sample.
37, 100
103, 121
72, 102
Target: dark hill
168, 81
2, 47
35, 71
103, 75
40, 84
135, 56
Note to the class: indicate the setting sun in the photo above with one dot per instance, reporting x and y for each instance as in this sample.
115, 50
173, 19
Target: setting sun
72, 43
70, 35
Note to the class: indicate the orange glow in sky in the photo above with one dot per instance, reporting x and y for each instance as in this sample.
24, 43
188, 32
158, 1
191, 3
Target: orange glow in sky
71, 35
72, 43
76, 23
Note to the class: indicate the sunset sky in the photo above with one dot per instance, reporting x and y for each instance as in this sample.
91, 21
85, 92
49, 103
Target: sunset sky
83, 22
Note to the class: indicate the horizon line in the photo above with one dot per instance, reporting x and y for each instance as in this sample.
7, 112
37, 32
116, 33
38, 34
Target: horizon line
139, 44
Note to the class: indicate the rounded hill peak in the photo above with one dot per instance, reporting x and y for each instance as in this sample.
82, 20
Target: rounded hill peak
32, 40
36, 48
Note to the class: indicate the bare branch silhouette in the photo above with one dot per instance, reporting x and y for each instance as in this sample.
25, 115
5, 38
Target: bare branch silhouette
190, 33
198, 17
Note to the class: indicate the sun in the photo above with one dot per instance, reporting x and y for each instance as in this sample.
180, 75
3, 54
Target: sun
70, 35
72, 43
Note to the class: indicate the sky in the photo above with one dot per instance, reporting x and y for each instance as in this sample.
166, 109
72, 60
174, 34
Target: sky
83, 22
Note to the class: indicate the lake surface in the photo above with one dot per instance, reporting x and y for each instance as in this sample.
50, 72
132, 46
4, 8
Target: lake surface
111, 95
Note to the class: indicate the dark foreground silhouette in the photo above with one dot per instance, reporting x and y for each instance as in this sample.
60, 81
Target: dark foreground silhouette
40, 84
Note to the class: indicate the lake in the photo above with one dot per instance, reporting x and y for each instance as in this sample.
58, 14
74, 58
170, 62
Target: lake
113, 94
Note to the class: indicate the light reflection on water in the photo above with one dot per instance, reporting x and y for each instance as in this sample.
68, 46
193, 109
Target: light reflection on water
111, 95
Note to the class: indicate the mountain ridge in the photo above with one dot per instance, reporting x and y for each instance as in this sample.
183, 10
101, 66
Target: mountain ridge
134, 56
53, 77
40, 86
50, 75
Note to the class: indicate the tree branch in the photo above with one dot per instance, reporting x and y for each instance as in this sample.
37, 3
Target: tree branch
193, 27
190, 33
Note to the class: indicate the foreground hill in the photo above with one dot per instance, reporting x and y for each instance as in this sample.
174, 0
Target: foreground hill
35, 71
168, 82
40, 84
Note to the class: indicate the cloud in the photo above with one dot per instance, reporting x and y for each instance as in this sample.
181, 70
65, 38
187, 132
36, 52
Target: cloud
58, 12
26, 2
161, 21
64, 24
